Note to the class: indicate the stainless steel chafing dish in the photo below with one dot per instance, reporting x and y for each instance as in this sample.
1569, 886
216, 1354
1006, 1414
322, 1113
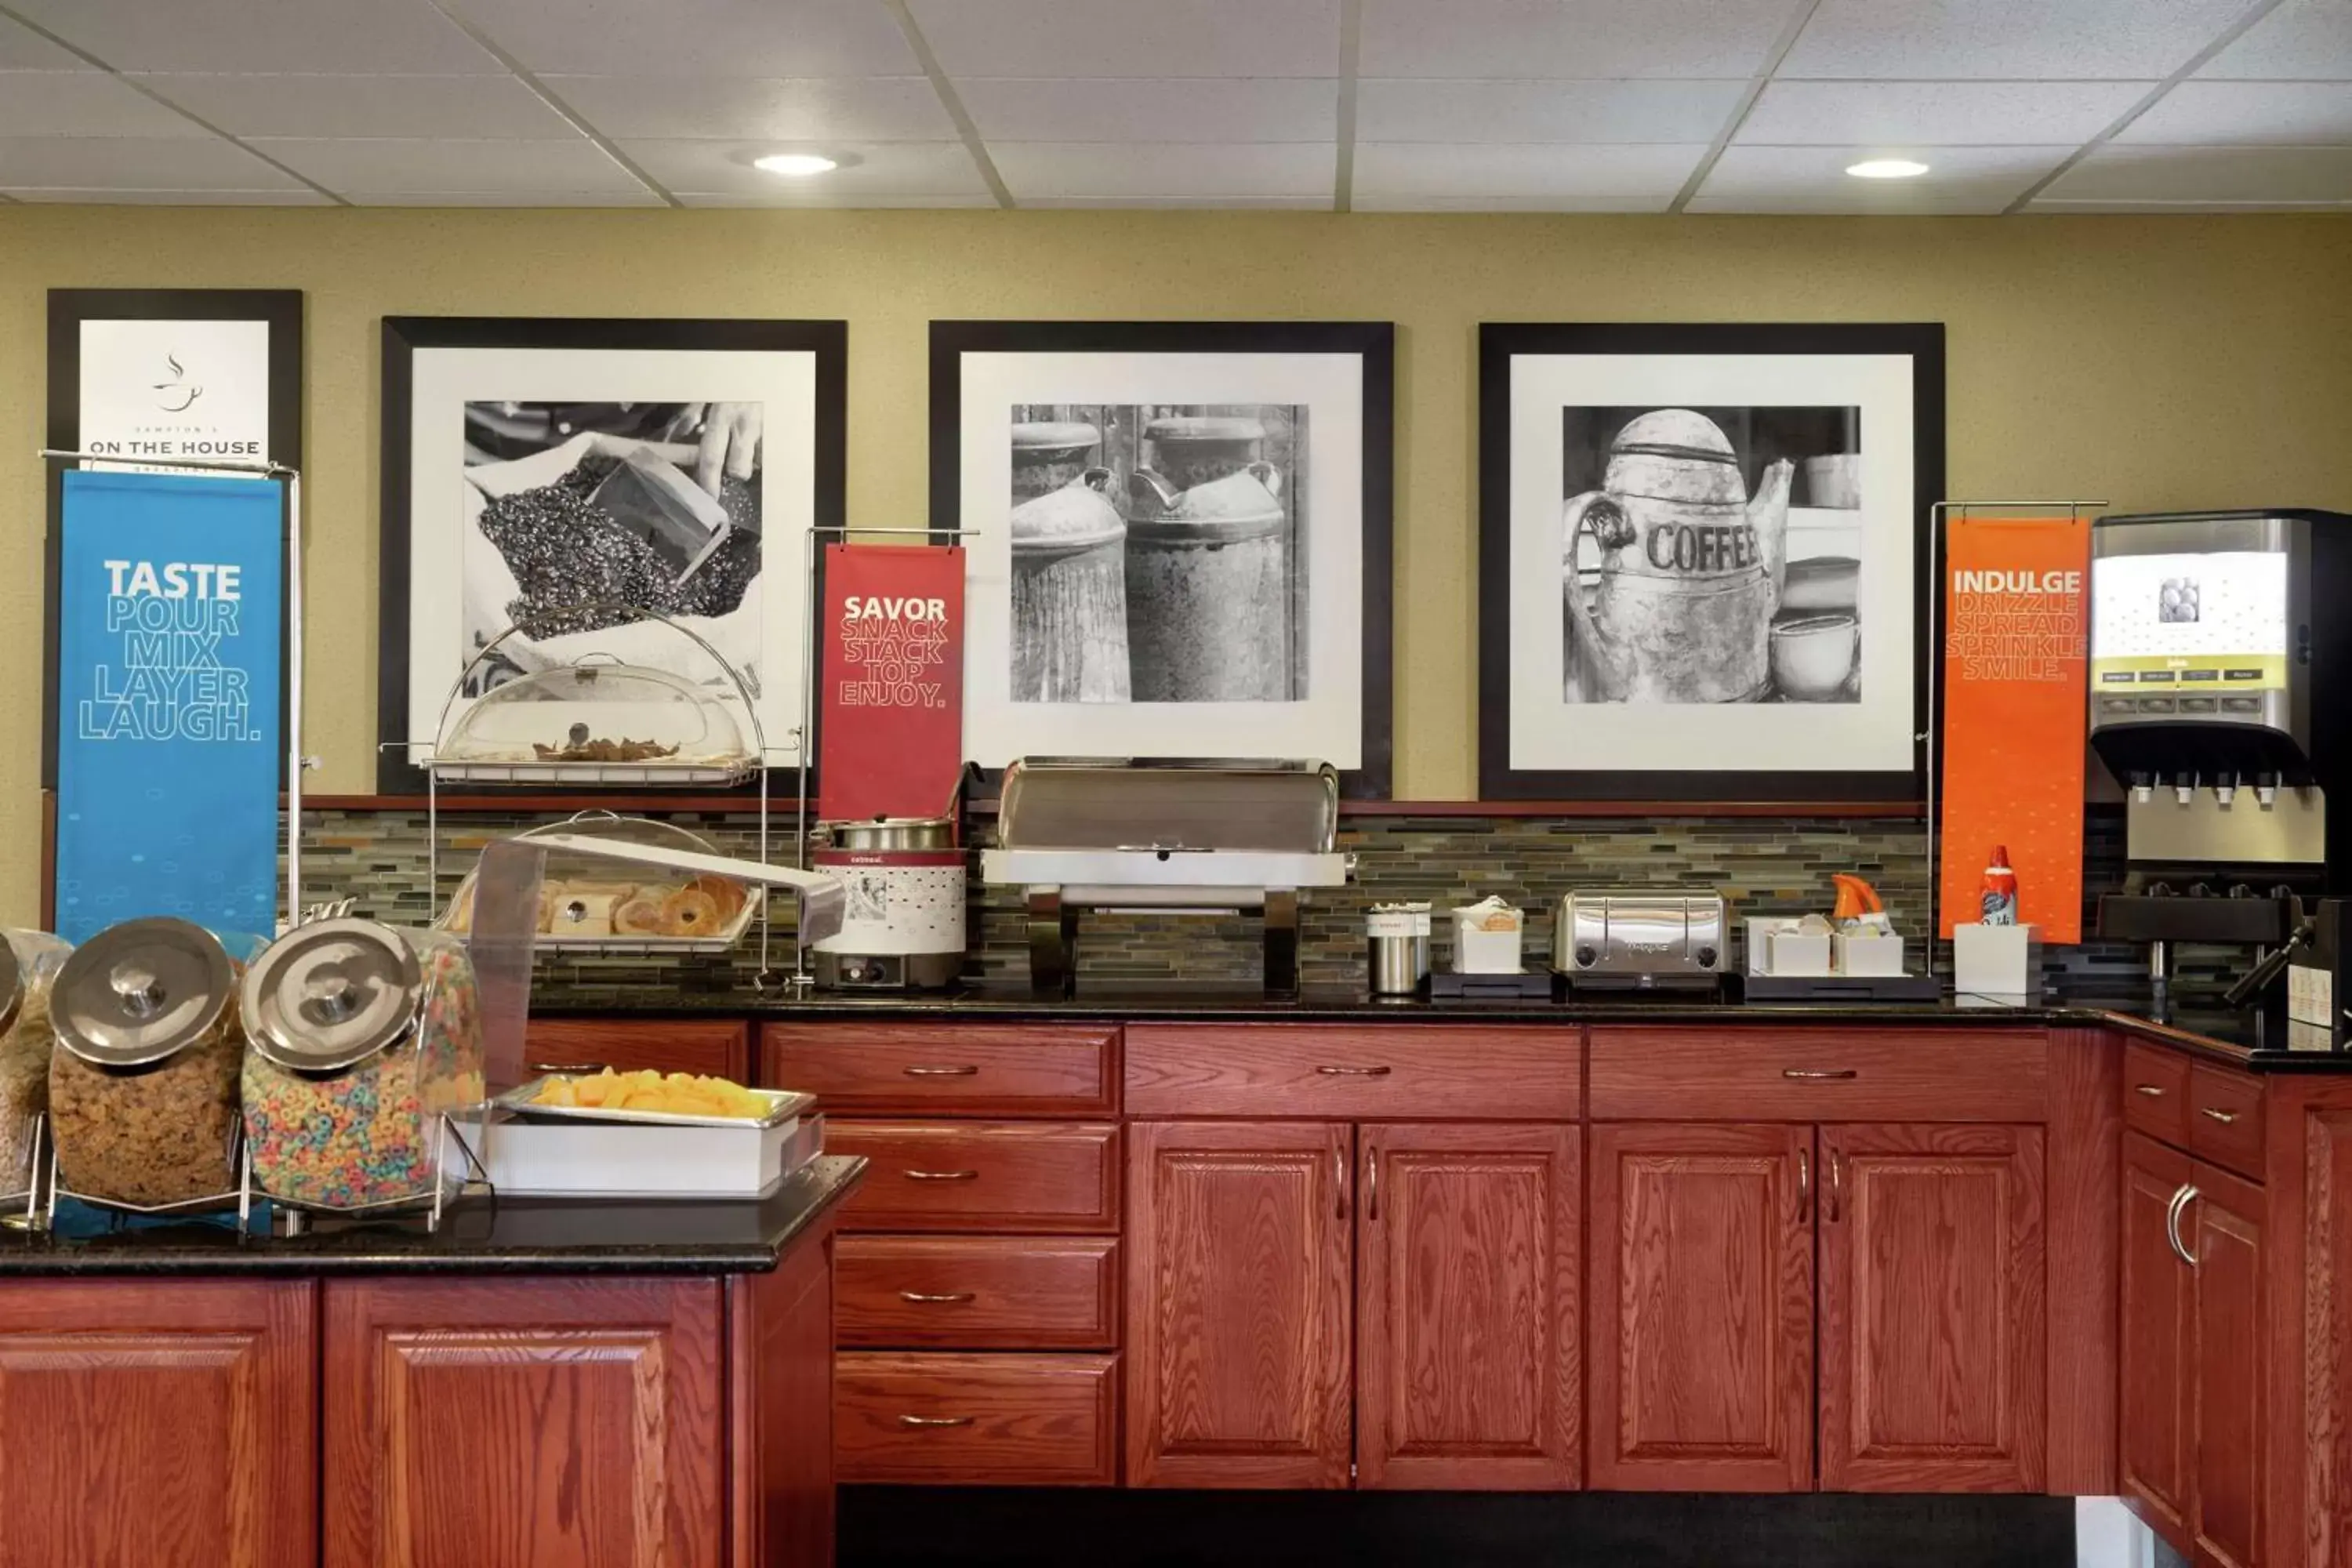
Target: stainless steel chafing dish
1162, 837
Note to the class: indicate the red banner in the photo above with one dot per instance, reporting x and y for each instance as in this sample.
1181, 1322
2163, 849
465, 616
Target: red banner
890, 700
2015, 643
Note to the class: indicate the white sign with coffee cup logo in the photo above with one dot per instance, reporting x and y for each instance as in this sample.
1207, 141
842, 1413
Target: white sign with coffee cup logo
160, 393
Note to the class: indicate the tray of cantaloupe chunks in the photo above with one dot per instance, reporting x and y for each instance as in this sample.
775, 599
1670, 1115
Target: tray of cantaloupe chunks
657, 1100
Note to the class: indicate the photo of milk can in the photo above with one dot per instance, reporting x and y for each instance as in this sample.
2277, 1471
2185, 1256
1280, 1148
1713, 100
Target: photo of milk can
1208, 588
1069, 594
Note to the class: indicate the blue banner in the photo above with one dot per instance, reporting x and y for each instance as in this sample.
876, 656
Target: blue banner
170, 606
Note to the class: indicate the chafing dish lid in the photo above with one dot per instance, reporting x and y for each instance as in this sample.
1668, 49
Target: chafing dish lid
1188, 804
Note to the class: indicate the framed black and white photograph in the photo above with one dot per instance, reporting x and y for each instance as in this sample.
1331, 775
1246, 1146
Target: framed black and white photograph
1177, 537
547, 483
1700, 560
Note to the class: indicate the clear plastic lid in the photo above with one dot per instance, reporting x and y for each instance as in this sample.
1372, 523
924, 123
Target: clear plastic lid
596, 713
592, 898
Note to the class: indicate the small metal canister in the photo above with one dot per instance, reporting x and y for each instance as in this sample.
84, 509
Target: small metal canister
1048, 454
1069, 595
363, 1036
1208, 588
1399, 939
143, 1085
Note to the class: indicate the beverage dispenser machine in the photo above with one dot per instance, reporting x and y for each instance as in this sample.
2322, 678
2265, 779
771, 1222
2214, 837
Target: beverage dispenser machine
2220, 697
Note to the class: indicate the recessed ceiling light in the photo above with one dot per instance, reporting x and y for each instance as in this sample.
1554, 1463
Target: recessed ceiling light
797, 165
1876, 169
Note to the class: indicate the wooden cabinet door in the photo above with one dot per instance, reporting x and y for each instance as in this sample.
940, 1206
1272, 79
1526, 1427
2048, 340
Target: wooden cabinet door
1701, 1309
1239, 1266
1933, 1313
2223, 1227
1466, 1343
2156, 1439
484, 1424
154, 1422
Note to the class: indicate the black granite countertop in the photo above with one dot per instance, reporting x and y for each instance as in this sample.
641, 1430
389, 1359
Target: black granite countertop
2250, 1038
478, 1237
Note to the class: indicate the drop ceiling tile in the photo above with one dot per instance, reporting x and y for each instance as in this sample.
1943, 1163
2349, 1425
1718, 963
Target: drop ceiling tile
2152, 173
1935, 113
873, 169
787, 39
23, 50
1594, 39
2044, 206
1190, 108
1432, 110
1655, 202
2306, 39
83, 103
355, 36
134, 163
292, 196
550, 197
314, 105
2248, 113
1321, 203
1202, 172
1813, 179
2023, 40
387, 165
805, 109
1589, 177
1157, 38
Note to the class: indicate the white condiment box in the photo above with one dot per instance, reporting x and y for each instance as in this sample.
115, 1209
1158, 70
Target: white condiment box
604, 1158
1869, 953
1996, 960
1477, 952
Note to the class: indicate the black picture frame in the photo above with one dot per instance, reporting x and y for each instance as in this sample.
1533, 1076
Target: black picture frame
281, 308
1674, 791
1373, 341
403, 336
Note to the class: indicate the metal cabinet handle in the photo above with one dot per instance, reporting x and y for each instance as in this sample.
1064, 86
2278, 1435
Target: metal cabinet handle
941, 1175
1340, 1179
1355, 1072
1804, 1187
936, 1420
1819, 1072
1372, 1182
571, 1069
2179, 1206
1837, 1185
2223, 1117
942, 1298
940, 1072
2153, 1090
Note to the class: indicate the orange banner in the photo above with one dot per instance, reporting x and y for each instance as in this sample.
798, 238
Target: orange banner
2015, 640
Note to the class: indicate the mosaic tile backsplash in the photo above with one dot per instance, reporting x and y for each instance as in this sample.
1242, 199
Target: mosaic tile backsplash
1762, 866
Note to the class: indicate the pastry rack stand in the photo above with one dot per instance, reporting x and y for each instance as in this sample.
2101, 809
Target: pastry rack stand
617, 775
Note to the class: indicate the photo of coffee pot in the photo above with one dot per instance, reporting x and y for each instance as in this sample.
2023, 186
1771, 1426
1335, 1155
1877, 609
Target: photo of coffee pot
1690, 569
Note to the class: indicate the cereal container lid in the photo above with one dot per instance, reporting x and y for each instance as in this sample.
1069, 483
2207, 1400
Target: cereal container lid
139, 991
329, 994
29, 960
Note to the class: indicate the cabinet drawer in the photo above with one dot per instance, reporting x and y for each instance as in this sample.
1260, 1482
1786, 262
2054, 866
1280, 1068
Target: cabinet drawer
2155, 1093
981, 1175
1377, 1073
1853, 1073
976, 1292
976, 1420
2225, 1118
713, 1046
946, 1069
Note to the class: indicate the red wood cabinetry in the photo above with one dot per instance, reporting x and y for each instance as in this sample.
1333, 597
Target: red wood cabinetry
1239, 1267
507, 1425
1933, 1341
1701, 1309
1467, 1264
170, 1421
718, 1046
2157, 1432
2223, 1225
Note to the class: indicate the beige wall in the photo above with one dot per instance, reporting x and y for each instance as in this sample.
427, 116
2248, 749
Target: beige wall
2157, 362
